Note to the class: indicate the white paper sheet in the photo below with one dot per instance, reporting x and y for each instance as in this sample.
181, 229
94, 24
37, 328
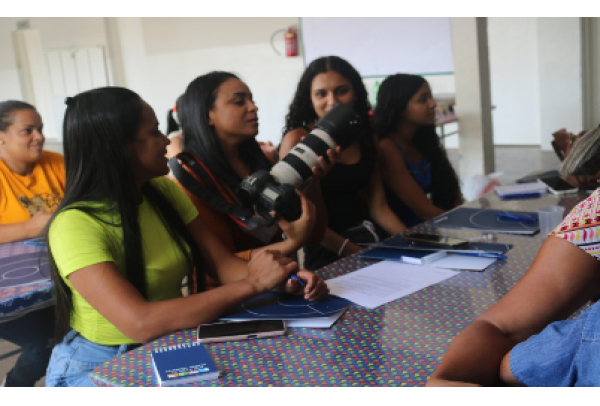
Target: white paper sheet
316, 322
385, 281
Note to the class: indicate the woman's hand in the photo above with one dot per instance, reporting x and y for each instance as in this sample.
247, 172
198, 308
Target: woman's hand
325, 165
36, 224
563, 142
585, 181
300, 230
267, 269
269, 150
315, 289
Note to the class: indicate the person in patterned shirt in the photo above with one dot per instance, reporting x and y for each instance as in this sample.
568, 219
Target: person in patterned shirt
526, 339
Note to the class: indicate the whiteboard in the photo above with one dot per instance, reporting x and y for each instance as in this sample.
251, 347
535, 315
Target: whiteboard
381, 46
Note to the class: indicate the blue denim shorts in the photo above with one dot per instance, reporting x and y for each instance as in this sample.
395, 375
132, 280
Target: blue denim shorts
75, 357
565, 353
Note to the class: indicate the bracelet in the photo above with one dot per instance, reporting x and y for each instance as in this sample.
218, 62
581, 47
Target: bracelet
343, 246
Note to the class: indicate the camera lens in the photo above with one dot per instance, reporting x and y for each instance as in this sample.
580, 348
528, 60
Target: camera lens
275, 190
340, 126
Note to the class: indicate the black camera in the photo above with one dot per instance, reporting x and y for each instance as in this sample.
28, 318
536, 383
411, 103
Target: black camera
275, 190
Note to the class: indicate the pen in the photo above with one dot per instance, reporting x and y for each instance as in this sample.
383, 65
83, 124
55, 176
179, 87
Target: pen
515, 217
440, 219
517, 196
482, 254
300, 281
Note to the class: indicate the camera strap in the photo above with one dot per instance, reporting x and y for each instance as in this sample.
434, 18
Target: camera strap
197, 178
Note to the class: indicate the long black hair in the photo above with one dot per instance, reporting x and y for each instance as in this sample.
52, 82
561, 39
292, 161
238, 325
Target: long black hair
302, 113
392, 99
98, 126
7, 108
198, 137
173, 118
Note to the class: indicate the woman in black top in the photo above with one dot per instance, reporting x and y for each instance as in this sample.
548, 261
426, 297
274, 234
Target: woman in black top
352, 190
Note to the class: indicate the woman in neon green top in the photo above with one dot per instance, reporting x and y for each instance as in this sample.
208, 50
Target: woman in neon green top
124, 238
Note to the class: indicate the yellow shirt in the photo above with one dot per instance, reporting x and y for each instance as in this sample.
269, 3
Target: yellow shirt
78, 240
23, 196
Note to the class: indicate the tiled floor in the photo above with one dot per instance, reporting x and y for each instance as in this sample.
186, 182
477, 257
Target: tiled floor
513, 162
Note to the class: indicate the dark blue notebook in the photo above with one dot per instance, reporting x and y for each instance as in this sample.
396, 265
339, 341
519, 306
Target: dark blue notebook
401, 244
183, 363
409, 256
486, 220
282, 306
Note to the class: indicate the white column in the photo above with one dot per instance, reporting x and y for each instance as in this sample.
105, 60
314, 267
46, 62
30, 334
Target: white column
473, 99
592, 79
114, 55
127, 55
34, 77
560, 76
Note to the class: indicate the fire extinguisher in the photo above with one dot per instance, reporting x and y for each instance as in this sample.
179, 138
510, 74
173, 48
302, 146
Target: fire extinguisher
291, 42
290, 37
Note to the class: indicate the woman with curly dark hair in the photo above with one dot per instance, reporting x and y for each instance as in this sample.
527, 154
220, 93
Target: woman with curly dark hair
352, 190
413, 161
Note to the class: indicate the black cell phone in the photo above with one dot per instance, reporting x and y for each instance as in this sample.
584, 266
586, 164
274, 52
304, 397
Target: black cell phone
240, 330
437, 241
558, 186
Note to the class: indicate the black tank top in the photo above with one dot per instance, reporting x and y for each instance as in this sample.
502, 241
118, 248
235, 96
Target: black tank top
344, 191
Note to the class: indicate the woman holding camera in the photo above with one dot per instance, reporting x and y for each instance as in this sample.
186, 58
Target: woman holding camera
219, 119
352, 191
125, 237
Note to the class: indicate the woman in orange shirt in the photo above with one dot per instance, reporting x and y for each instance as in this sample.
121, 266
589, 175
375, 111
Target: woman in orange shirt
32, 184
32, 181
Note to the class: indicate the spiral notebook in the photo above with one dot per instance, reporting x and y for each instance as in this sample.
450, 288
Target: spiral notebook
486, 220
295, 310
183, 363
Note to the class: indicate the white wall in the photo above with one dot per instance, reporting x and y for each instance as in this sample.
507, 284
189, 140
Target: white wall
159, 57
535, 68
56, 33
560, 76
514, 80
201, 45
159, 66
10, 87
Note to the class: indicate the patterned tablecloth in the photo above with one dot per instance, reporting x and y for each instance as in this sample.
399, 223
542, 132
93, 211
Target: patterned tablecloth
398, 344
23, 298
